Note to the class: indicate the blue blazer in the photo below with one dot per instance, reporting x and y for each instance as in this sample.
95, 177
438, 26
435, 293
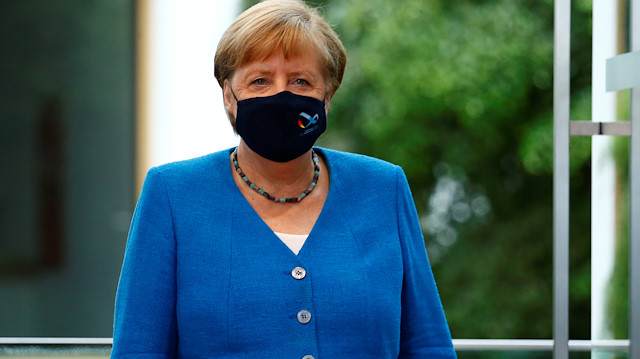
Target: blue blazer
205, 277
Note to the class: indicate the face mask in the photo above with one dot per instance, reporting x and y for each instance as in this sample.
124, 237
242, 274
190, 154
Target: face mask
280, 127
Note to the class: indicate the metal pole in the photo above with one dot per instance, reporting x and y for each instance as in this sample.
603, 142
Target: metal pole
529, 345
603, 169
634, 240
561, 70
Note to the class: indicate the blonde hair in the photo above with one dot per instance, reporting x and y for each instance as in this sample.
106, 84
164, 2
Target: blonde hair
280, 25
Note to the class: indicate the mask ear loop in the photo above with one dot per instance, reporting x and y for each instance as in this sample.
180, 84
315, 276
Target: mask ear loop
234, 95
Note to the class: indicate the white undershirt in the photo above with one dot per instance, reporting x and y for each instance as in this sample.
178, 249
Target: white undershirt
293, 241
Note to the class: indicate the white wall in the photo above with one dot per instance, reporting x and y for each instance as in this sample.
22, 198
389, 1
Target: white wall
186, 117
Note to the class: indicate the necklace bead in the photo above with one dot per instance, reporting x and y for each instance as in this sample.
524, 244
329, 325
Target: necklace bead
301, 196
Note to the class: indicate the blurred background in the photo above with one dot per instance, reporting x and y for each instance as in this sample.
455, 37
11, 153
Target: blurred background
459, 93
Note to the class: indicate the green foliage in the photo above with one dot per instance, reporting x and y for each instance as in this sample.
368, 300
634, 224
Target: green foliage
618, 295
468, 84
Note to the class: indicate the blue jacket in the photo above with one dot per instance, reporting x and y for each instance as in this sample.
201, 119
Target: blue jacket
204, 277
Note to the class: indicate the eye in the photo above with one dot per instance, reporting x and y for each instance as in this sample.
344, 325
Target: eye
259, 81
301, 82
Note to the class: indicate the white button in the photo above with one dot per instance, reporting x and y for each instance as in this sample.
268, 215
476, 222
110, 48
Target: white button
308, 357
304, 316
298, 273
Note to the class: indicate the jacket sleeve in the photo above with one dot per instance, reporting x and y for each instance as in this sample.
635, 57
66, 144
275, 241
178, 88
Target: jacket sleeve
424, 331
145, 320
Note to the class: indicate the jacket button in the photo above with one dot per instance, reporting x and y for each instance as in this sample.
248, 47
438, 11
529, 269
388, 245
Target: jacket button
308, 357
304, 316
298, 273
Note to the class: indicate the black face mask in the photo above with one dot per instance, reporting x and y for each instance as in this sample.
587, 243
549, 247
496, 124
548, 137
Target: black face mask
281, 127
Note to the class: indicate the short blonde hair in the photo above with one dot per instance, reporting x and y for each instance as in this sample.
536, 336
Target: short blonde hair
286, 25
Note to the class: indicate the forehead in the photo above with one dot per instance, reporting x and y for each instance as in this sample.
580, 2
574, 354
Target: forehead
290, 41
289, 47
306, 61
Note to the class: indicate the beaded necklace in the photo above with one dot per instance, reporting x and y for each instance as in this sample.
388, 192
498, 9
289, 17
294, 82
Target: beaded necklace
266, 194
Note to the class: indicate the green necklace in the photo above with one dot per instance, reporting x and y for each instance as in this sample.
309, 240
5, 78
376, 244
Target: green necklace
266, 194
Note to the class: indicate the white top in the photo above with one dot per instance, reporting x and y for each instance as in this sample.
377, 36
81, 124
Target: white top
293, 241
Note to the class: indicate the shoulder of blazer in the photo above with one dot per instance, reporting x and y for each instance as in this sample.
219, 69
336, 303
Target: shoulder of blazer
204, 169
362, 169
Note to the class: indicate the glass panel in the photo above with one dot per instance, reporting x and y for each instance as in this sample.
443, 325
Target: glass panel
55, 351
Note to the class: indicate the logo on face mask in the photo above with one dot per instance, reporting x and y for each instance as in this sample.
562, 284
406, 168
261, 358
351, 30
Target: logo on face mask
279, 127
311, 120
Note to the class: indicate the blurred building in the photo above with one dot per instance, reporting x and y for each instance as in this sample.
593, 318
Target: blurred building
67, 184
79, 83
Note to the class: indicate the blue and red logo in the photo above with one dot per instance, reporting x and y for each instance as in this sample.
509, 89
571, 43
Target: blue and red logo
309, 120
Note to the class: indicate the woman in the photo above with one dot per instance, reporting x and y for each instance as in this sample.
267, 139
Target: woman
276, 249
